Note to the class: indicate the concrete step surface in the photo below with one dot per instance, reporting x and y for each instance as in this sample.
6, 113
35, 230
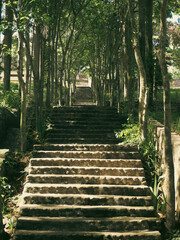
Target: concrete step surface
62, 235
84, 179
86, 211
95, 171
86, 199
86, 162
131, 190
87, 147
87, 154
112, 224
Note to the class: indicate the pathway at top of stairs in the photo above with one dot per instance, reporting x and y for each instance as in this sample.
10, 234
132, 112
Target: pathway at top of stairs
83, 185
83, 93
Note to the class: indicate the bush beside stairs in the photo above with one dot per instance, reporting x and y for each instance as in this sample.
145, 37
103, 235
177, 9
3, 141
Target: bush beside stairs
83, 185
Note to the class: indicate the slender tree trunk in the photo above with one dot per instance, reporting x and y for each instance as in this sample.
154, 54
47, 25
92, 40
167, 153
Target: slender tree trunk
48, 84
7, 50
129, 66
56, 71
143, 95
52, 67
61, 80
27, 64
142, 28
169, 166
36, 73
23, 96
149, 49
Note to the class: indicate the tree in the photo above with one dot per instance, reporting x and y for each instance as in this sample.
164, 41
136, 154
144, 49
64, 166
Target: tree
143, 95
169, 166
7, 46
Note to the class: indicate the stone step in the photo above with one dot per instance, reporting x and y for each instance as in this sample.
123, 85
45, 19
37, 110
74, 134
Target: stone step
76, 125
76, 170
84, 109
89, 200
62, 235
80, 179
91, 115
87, 154
131, 190
112, 224
89, 120
86, 162
80, 131
86, 147
81, 135
86, 211
80, 112
82, 140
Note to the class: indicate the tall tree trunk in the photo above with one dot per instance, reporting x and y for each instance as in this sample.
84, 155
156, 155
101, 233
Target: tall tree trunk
36, 72
143, 95
142, 28
129, 65
169, 166
27, 64
23, 96
56, 70
52, 67
149, 49
7, 50
61, 80
48, 84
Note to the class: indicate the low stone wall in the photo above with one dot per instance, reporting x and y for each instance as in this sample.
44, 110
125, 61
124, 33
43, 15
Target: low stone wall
159, 135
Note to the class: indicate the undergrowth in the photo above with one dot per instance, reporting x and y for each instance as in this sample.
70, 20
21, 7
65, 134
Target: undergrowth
130, 134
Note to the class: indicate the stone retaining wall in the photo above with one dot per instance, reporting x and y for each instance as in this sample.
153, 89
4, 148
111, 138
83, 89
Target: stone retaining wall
159, 135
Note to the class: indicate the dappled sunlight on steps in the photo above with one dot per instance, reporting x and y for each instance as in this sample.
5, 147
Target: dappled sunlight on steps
82, 187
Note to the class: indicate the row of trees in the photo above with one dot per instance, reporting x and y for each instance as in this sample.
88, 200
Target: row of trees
122, 42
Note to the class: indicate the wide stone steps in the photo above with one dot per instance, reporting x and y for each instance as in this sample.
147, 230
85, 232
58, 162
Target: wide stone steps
86, 162
75, 139
87, 154
87, 211
86, 199
131, 190
58, 131
84, 185
91, 224
86, 147
84, 179
75, 125
103, 171
77, 235
91, 121
80, 135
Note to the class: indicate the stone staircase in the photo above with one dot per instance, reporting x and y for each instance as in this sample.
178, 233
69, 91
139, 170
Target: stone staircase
83, 185
83, 93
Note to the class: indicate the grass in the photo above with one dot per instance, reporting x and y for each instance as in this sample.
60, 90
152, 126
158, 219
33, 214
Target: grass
158, 112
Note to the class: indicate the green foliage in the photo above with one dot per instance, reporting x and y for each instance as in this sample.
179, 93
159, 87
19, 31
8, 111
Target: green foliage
10, 99
130, 134
7, 192
153, 170
13, 86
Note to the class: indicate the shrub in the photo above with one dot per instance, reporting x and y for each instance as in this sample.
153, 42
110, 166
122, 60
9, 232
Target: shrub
10, 99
